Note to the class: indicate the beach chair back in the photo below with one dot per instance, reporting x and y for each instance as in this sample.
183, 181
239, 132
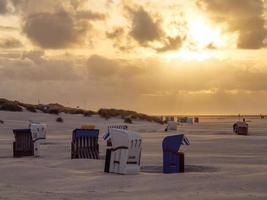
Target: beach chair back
85, 144
123, 156
38, 131
173, 160
172, 126
240, 128
23, 145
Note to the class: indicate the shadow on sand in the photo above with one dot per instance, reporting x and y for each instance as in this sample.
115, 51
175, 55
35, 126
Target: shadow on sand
188, 169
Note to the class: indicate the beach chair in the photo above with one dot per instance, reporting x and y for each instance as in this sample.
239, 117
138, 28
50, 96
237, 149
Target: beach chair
196, 119
124, 152
173, 160
23, 145
85, 144
38, 132
27, 141
171, 126
240, 128
124, 127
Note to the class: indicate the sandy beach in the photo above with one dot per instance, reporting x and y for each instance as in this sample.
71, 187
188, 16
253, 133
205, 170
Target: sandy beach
219, 164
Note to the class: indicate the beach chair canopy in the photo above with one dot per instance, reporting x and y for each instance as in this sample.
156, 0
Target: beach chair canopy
241, 124
172, 143
85, 144
38, 130
106, 136
120, 137
77, 133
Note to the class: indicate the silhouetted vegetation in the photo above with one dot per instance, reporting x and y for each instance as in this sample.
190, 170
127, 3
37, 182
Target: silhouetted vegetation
29, 107
128, 120
109, 113
55, 108
7, 105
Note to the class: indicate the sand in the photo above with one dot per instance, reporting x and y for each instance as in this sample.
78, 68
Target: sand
219, 164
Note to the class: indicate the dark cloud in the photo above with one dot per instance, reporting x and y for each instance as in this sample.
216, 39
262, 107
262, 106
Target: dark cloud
144, 28
54, 24
121, 41
9, 43
242, 16
171, 44
51, 30
3, 7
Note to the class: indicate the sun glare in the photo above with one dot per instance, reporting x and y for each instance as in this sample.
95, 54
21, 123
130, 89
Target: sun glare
203, 35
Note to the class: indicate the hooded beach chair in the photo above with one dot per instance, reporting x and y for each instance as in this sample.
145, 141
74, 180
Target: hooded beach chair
240, 128
27, 141
124, 127
171, 126
85, 144
23, 145
124, 152
173, 160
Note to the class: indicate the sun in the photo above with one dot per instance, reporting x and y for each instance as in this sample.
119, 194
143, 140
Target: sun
203, 39
203, 35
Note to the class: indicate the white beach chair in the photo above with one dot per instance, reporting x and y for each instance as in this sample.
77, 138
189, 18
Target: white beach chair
38, 134
123, 156
172, 126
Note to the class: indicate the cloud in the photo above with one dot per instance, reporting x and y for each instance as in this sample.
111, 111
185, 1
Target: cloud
144, 28
242, 16
3, 7
51, 30
34, 66
9, 43
53, 24
171, 44
89, 15
101, 68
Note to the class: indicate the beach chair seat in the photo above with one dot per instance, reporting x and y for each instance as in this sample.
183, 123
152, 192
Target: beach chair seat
85, 144
23, 145
173, 160
240, 128
123, 155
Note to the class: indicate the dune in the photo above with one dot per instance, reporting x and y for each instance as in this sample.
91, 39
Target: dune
219, 164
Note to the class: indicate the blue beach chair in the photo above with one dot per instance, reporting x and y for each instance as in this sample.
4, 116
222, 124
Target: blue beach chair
173, 160
85, 144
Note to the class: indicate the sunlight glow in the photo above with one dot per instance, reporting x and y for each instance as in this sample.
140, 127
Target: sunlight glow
204, 35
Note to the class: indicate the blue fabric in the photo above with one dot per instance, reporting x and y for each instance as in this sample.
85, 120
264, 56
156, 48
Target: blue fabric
172, 143
85, 133
171, 158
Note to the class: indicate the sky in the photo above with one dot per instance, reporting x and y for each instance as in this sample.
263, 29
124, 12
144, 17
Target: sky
151, 56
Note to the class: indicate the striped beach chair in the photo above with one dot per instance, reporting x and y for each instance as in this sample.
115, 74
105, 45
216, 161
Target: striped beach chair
85, 144
23, 145
173, 160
